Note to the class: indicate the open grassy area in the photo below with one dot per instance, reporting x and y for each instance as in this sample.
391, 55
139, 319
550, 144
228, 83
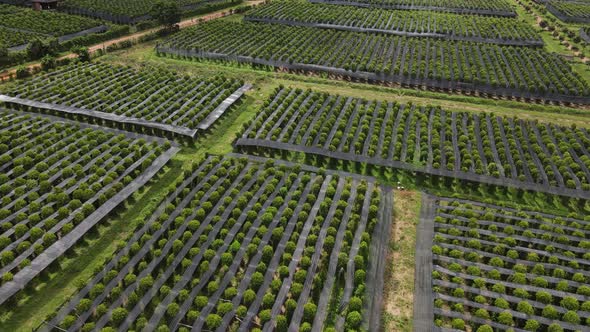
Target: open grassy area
399, 271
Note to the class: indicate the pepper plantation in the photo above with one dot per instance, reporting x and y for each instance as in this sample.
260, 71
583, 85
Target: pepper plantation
295, 165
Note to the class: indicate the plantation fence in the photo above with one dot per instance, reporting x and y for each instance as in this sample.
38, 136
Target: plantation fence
135, 237
584, 35
125, 19
499, 41
57, 249
504, 182
565, 18
107, 117
220, 110
376, 267
474, 11
64, 38
129, 134
119, 19
423, 295
379, 77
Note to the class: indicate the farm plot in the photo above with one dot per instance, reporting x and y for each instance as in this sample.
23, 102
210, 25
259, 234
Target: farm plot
11, 37
19, 25
476, 147
240, 244
133, 11
45, 22
570, 11
481, 7
451, 65
507, 269
497, 30
57, 181
150, 100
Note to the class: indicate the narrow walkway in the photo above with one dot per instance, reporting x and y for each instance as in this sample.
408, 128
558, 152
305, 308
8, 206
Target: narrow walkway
423, 296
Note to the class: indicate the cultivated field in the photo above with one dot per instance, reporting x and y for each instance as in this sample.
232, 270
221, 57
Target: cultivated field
58, 180
239, 244
451, 65
476, 147
504, 268
145, 100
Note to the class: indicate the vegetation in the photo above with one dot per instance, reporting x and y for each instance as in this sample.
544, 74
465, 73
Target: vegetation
419, 23
241, 239
54, 176
132, 11
43, 22
378, 133
436, 63
167, 13
494, 7
154, 95
498, 264
572, 10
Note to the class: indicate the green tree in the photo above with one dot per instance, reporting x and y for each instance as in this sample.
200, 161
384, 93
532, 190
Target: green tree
82, 53
485, 328
167, 13
3, 51
213, 321
48, 62
354, 319
118, 316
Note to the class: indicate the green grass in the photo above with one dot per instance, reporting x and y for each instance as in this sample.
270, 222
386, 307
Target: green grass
552, 44
399, 270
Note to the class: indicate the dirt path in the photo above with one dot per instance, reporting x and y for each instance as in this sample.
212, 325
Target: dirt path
183, 24
539, 19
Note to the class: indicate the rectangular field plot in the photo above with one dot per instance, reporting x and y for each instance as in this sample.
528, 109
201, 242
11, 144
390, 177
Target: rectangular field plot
58, 180
496, 30
504, 268
150, 100
19, 25
522, 72
133, 11
570, 11
468, 146
480, 7
239, 244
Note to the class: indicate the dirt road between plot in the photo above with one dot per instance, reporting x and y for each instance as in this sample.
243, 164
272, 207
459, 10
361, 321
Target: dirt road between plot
93, 48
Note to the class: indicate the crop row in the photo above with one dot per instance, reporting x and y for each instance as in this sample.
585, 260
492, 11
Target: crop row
481, 7
20, 25
238, 244
498, 30
514, 71
158, 98
131, 11
427, 139
570, 11
10, 37
509, 268
44, 22
55, 177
